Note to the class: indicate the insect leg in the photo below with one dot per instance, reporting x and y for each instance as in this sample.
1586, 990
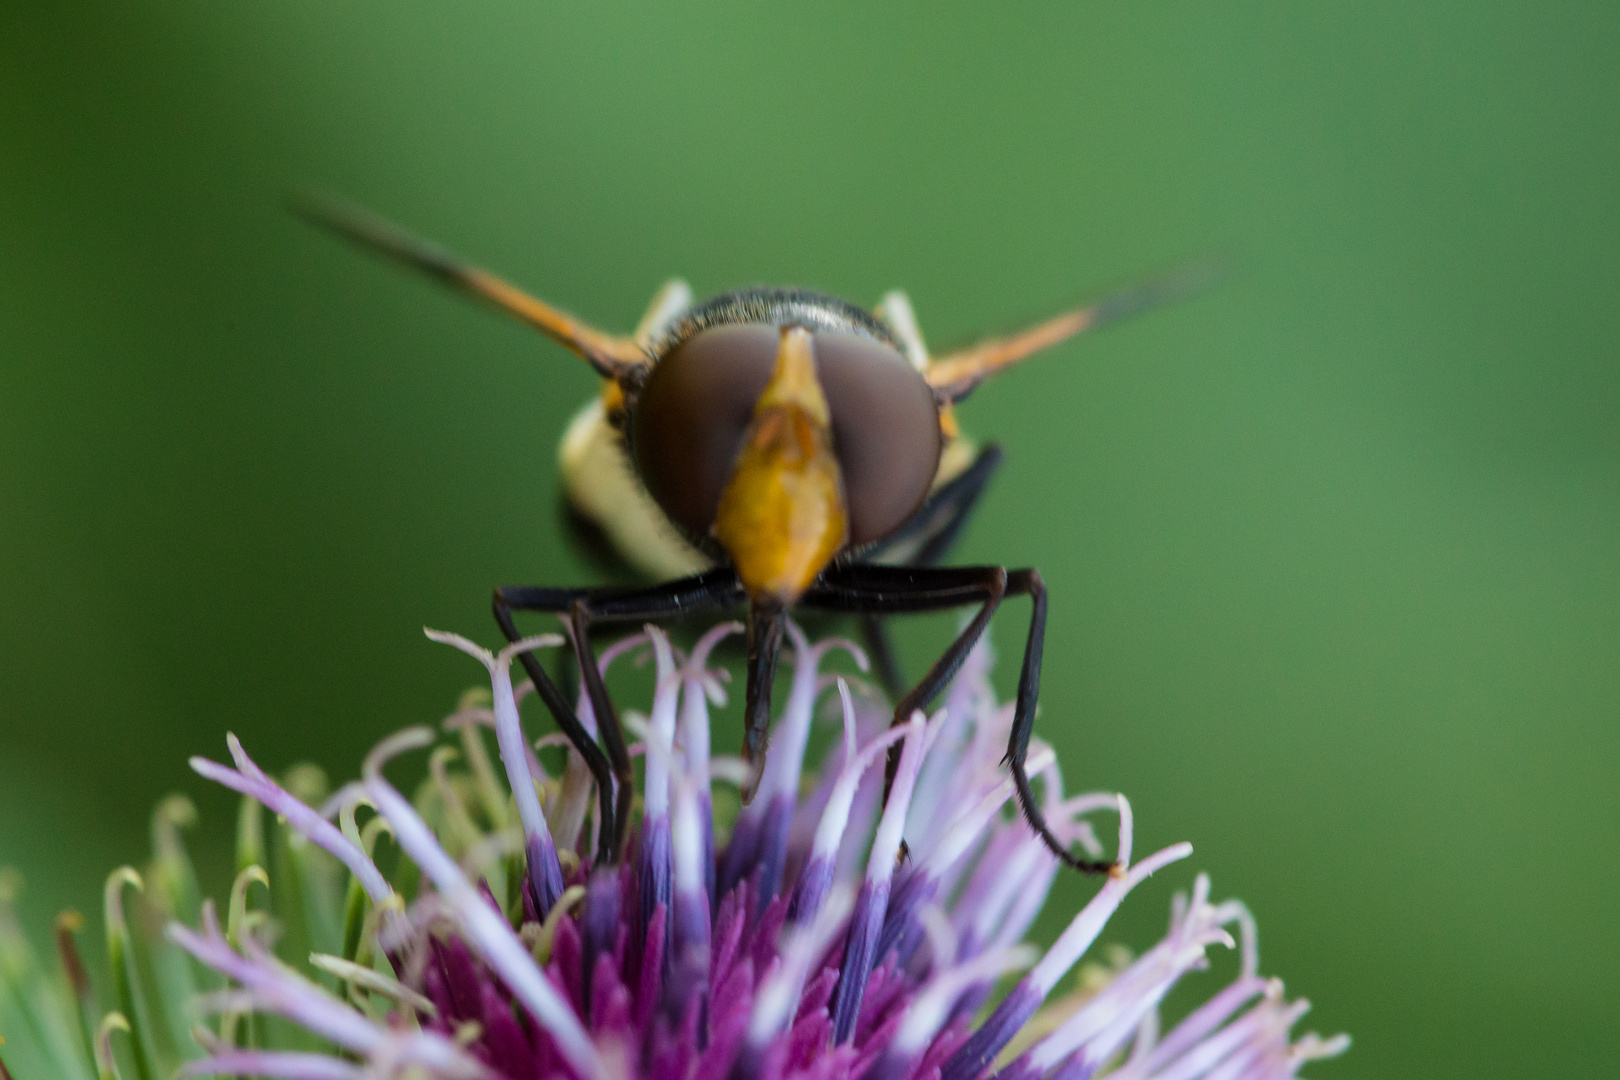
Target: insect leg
766, 623
585, 607
708, 591
1029, 583
892, 590
512, 599
934, 527
900, 590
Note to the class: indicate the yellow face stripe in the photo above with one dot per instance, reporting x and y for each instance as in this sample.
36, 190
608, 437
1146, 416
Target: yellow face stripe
782, 515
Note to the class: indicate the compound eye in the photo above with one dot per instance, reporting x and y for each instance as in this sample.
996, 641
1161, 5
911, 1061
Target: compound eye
885, 430
690, 417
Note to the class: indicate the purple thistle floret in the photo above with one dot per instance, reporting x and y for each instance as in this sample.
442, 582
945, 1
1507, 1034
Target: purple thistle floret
836, 933
268, 987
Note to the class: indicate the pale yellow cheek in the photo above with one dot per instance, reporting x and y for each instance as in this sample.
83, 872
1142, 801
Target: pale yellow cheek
954, 460
601, 483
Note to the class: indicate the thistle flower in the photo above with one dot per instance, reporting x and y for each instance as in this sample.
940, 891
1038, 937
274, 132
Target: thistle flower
831, 932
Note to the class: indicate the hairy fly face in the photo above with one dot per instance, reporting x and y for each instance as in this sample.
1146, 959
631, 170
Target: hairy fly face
786, 445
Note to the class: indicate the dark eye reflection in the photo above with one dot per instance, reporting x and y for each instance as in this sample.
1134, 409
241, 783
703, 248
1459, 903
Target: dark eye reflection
690, 417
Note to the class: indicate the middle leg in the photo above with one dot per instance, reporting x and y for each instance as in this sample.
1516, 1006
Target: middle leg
711, 591
925, 540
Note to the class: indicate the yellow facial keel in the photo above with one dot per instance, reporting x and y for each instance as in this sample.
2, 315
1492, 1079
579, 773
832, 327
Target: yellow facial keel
782, 514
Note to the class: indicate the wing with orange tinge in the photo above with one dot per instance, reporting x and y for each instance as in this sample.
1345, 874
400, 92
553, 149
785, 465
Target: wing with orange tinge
952, 376
612, 355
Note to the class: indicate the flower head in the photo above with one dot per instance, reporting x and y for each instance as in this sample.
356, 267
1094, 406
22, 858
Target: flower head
833, 931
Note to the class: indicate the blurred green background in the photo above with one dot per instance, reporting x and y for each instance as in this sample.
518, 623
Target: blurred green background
1331, 549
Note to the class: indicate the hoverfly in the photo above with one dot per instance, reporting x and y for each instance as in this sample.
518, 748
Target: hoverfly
770, 449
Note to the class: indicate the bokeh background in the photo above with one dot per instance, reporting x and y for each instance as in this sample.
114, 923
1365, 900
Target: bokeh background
1331, 548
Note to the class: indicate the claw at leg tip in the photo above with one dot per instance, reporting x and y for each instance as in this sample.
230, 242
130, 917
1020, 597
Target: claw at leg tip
756, 772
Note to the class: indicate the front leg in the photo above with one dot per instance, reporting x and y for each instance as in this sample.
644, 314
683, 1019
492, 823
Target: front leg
517, 598
884, 590
705, 593
766, 623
